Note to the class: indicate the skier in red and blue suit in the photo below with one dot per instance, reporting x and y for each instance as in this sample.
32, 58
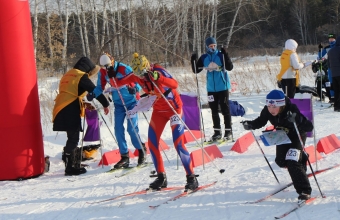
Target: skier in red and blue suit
130, 94
161, 114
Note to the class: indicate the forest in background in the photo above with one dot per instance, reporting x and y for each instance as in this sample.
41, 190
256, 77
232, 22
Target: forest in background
168, 31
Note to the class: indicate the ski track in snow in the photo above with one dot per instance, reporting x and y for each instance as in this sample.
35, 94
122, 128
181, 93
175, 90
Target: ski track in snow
247, 177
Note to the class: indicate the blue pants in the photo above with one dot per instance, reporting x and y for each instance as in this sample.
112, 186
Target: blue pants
119, 117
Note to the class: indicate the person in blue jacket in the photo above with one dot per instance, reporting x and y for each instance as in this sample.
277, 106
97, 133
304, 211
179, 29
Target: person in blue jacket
323, 55
216, 63
130, 94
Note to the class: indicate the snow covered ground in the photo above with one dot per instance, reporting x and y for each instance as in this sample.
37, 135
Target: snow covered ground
247, 177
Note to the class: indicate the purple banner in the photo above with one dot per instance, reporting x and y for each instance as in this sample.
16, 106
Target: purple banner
92, 131
191, 112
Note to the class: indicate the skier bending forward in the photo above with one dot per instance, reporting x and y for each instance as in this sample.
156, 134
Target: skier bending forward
282, 114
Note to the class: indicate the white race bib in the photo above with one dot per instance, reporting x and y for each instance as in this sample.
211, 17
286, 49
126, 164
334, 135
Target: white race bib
293, 154
174, 120
211, 98
328, 84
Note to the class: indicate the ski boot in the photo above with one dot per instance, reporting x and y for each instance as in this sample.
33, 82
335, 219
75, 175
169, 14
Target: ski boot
192, 182
123, 163
160, 182
217, 136
141, 155
303, 197
227, 135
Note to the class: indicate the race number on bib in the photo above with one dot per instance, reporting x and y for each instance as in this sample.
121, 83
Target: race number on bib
211, 98
131, 114
174, 120
293, 154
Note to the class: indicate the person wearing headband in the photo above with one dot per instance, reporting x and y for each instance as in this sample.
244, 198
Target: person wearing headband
282, 114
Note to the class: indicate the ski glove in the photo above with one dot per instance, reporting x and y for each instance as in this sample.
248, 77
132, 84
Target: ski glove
225, 53
154, 75
90, 96
291, 116
320, 46
111, 72
279, 84
193, 57
132, 90
247, 125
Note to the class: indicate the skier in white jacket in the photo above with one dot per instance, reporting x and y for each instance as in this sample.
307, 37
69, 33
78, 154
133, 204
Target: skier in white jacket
289, 78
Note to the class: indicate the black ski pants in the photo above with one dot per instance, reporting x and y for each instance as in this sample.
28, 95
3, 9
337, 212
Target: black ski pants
289, 87
297, 170
336, 88
220, 98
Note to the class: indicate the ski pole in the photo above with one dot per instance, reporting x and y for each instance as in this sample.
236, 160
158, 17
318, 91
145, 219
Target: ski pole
128, 115
225, 76
82, 141
201, 116
159, 143
310, 166
258, 144
105, 122
185, 125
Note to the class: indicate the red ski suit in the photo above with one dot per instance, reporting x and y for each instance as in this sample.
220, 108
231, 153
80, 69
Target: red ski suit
161, 114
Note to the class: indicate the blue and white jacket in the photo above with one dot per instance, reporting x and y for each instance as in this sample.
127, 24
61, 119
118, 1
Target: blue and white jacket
217, 76
122, 70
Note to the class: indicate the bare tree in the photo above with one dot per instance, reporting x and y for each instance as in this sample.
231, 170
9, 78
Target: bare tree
86, 40
299, 14
64, 28
80, 29
95, 24
50, 46
35, 29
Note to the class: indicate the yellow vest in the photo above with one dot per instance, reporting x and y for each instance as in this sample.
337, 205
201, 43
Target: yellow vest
285, 65
68, 92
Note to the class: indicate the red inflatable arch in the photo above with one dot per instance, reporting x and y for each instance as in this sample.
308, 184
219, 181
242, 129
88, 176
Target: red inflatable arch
22, 151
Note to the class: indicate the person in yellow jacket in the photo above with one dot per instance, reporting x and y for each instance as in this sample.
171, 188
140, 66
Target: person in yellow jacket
289, 77
69, 109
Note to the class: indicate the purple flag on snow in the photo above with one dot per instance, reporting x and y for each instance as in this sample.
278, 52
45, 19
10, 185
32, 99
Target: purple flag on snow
92, 131
191, 111
304, 104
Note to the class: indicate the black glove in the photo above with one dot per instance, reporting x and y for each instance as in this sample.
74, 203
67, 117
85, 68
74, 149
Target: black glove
247, 125
132, 90
315, 67
111, 72
320, 46
279, 84
90, 96
291, 116
224, 51
193, 57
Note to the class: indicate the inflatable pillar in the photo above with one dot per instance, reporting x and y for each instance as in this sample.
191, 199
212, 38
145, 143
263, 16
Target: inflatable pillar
22, 151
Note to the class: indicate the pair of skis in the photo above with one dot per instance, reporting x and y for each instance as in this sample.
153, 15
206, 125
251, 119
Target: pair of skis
128, 170
147, 191
299, 205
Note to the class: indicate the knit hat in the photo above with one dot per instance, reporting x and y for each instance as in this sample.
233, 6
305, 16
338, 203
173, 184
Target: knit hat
210, 40
106, 60
331, 36
275, 98
139, 64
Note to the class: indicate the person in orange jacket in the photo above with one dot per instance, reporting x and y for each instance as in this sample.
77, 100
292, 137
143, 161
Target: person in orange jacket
155, 79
